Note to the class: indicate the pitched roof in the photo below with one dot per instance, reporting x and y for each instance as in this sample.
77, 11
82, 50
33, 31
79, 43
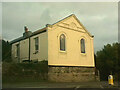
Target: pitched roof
72, 15
43, 29
16, 40
22, 38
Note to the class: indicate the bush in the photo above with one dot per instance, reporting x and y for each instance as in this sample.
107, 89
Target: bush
24, 71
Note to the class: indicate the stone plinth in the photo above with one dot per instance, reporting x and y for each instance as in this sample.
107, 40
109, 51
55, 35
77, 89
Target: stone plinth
71, 74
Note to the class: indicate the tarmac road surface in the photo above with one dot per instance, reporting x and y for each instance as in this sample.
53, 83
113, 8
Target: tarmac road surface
60, 86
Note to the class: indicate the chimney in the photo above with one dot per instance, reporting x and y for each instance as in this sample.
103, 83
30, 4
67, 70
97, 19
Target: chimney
26, 33
26, 29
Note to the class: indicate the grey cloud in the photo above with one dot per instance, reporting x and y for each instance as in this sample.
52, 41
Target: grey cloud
100, 19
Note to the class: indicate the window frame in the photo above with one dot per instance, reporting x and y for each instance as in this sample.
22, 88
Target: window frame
62, 42
17, 50
36, 43
81, 46
58, 37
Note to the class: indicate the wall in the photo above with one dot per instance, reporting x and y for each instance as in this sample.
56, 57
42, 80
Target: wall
24, 48
43, 47
71, 74
72, 56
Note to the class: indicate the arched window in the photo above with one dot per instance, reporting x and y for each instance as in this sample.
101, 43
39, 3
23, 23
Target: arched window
62, 42
82, 46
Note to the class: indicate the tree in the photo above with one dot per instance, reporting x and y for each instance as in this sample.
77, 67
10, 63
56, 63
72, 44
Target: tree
107, 60
6, 51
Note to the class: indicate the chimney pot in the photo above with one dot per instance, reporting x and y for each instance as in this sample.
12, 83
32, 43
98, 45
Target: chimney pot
26, 29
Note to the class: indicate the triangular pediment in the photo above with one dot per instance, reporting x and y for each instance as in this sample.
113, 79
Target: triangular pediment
72, 22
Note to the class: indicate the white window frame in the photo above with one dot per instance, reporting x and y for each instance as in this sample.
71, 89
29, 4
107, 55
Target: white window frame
64, 43
58, 38
81, 45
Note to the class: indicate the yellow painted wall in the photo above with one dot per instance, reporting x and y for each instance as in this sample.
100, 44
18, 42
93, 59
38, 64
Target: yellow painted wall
72, 56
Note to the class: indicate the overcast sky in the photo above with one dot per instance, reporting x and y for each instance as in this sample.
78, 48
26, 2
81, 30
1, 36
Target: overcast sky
100, 19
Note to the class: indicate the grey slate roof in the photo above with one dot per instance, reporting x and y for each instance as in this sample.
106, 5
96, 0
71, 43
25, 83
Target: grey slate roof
34, 33
16, 40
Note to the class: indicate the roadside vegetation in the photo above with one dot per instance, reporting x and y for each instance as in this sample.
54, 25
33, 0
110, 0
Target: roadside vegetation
21, 72
24, 72
107, 61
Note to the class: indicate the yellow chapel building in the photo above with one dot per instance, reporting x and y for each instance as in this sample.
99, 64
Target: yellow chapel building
67, 46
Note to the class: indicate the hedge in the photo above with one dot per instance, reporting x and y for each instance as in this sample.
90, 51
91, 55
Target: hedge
24, 71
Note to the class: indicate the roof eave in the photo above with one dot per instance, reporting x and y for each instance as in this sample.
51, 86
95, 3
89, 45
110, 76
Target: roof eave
34, 33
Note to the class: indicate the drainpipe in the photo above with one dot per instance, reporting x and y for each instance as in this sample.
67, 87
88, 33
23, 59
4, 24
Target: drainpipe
29, 49
27, 34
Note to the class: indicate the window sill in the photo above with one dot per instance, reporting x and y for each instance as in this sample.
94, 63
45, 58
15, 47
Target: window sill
35, 52
84, 54
62, 51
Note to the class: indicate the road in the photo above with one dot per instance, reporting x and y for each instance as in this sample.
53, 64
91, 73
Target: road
74, 86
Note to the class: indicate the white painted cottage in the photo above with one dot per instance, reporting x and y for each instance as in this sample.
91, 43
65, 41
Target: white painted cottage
64, 44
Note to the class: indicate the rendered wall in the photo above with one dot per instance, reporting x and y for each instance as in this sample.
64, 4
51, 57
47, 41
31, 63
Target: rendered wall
72, 56
43, 47
13, 52
24, 48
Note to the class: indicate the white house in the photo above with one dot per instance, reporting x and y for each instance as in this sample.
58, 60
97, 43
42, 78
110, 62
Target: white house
67, 45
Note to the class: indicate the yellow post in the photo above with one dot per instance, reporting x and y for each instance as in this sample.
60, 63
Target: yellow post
110, 80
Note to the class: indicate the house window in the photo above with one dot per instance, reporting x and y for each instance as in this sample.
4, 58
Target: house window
17, 50
62, 42
36, 44
82, 46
